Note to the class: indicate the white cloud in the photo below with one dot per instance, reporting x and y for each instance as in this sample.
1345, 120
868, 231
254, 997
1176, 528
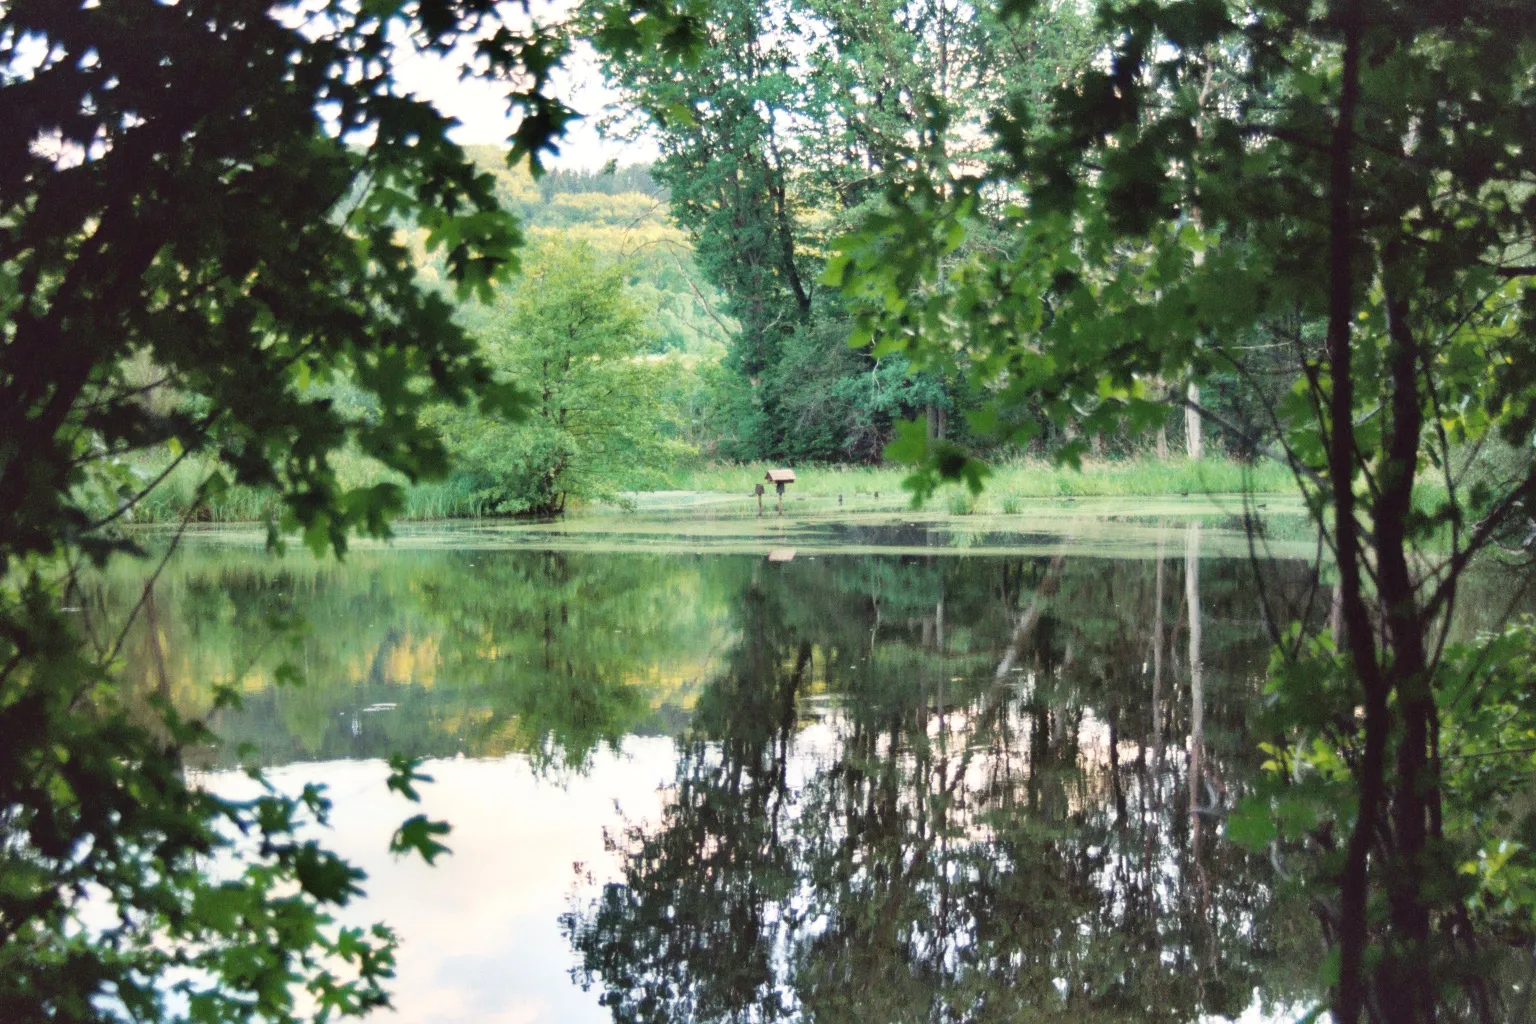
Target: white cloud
480, 934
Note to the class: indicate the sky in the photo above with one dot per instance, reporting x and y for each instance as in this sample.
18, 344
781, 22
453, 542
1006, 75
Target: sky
481, 109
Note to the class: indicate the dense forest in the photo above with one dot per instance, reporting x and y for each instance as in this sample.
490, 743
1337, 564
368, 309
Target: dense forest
718, 359
641, 350
705, 359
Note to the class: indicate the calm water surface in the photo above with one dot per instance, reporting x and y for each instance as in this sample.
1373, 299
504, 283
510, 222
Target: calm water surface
898, 785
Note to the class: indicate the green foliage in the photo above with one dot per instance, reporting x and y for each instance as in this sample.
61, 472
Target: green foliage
571, 335
1486, 853
622, 214
163, 256
1490, 752
213, 225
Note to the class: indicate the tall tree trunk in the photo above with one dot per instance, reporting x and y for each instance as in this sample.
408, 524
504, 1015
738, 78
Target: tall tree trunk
1194, 439
1336, 616
784, 228
1194, 436
1349, 994
1408, 886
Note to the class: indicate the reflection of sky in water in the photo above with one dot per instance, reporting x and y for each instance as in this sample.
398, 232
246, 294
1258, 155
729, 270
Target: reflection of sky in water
480, 933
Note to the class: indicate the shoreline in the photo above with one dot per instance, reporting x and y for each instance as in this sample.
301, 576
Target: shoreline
813, 527
1009, 490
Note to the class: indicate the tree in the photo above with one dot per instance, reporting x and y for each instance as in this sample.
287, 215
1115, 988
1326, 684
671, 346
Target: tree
787, 122
549, 655
572, 335
213, 189
723, 163
1361, 195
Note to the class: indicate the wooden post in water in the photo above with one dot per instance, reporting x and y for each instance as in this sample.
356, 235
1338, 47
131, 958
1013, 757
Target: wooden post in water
759, 501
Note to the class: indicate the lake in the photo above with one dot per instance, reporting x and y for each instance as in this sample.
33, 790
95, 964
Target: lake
714, 768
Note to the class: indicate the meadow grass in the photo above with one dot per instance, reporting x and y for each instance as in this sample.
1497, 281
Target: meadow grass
455, 497
1009, 485
1012, 481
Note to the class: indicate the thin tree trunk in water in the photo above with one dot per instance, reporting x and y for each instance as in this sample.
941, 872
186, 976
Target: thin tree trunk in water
1028, 620
1155, 773
1194, 440
938, 624
1197, 770
938, 621
1196, 677
1157, 668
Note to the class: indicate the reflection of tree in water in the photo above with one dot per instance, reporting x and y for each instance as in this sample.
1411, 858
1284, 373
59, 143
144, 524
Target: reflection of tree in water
431, 653
722, 862
980, 821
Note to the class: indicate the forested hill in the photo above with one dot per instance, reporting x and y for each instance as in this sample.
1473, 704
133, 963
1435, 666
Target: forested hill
624, 197
622, 214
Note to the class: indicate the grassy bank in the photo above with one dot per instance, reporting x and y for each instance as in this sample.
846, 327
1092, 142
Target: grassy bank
1008, 486
453, 498
1013, 481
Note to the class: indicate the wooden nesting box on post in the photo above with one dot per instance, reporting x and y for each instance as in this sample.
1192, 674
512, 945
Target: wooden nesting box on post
779, 478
